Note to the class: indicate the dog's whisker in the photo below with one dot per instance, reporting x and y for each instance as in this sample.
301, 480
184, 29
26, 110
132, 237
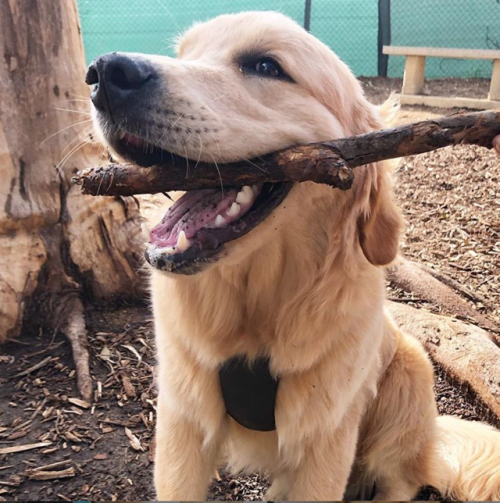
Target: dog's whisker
78, 100
177, 120
187, 161
164, 7
78, 96
96, 149
206, 104
82, 134
73, 111
201, 149
63, 161
102, 153
216, 143
248, 161
64, 129
220, 177
161, 137
212, 101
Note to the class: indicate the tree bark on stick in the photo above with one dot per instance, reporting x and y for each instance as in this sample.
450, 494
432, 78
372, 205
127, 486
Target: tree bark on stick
57, 247
327, 162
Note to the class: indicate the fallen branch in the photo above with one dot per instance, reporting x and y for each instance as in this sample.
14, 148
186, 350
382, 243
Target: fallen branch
420, 280
37, 366
51, 475
453, 284
327, 162
51, 466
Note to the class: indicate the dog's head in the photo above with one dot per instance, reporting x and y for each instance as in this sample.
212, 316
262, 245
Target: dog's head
242, 86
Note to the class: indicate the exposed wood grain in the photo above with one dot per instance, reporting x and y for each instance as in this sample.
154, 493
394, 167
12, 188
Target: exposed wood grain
431, 286
464, 351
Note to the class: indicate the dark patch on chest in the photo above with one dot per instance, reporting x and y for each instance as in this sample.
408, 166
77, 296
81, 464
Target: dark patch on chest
249, 392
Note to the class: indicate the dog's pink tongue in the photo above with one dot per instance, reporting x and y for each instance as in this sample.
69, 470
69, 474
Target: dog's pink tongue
193, 211
134, 140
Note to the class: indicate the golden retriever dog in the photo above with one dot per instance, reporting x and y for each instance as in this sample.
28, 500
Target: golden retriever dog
287, 277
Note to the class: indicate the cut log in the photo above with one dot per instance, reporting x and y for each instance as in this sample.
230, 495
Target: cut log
327, 162
464, 351
431, 286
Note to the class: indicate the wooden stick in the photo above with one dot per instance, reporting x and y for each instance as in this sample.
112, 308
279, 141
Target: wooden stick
9, 483
21, 448
37, 366
51, 475
327, 162
51, 466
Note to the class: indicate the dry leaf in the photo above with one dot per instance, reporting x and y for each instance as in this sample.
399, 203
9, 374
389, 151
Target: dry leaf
134, 441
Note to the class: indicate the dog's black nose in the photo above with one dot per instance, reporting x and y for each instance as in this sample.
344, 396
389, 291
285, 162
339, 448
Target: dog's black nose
117, 78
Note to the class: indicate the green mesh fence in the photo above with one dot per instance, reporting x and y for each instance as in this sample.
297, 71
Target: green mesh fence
349, 27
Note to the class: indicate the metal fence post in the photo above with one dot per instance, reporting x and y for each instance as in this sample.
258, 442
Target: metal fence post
384, 35
307, 15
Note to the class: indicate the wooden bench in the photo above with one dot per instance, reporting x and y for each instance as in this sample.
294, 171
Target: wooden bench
413, 81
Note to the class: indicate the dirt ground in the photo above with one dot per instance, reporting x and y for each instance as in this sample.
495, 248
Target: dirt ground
451, 200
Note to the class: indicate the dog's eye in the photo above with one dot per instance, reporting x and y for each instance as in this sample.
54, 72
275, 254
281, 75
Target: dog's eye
266, 67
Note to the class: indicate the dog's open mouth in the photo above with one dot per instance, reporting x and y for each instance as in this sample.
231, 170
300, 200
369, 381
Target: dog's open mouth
195, 228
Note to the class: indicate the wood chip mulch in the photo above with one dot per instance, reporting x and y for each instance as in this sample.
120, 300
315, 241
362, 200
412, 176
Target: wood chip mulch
451, 201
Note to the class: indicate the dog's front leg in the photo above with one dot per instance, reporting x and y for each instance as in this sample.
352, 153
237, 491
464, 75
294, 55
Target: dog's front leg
184, 464
326, 465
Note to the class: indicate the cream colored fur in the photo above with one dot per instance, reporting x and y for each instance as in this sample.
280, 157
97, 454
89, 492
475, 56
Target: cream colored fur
355, 403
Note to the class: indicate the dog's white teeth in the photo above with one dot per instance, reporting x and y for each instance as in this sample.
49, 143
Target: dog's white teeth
182, 242
219, 221
234, 210
255, 188
245, 195
168, 250
145, 231
120, 135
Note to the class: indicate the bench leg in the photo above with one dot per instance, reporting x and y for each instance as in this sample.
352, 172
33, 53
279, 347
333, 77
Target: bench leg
413, 80
495, 81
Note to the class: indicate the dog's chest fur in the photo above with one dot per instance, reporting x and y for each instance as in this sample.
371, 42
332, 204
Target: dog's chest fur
204, 322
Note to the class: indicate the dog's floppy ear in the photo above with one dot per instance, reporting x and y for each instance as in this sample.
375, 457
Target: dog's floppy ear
379, 227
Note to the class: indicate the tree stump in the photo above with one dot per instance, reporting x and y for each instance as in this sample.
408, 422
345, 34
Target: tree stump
57, 248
